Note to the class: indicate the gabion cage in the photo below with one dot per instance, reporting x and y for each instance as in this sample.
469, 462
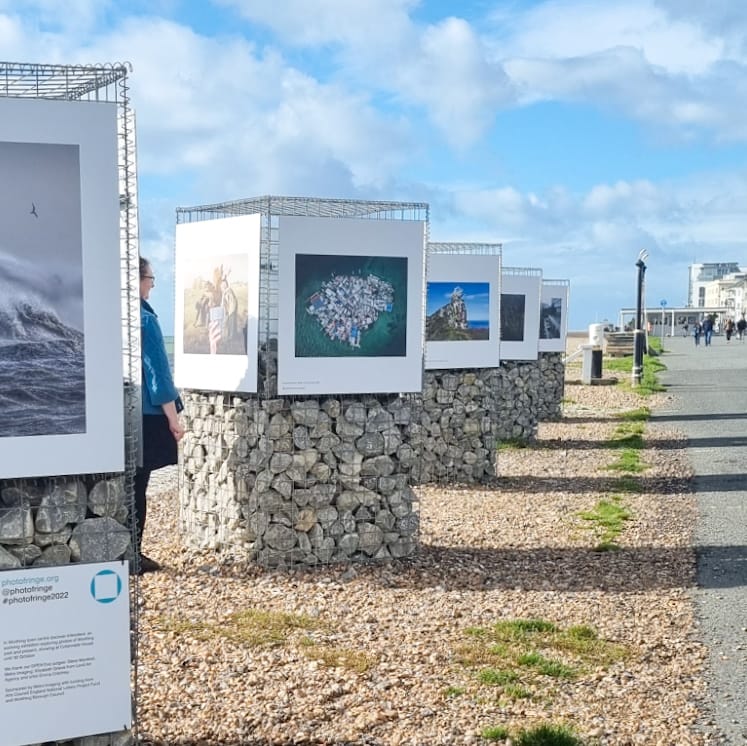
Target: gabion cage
300, 480
36, 499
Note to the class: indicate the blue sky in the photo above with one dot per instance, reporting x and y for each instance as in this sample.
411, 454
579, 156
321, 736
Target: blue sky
575, 133
476, 296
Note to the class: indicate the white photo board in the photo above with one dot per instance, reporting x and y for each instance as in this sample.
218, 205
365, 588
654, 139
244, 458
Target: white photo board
520, 304
351, 305
553, 324
462, 311
217, 304
61, 395
65, 635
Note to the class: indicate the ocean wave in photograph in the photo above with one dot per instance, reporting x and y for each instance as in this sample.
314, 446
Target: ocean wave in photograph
42, 371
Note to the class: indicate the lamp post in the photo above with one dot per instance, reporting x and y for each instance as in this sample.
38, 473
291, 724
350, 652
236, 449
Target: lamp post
639, 339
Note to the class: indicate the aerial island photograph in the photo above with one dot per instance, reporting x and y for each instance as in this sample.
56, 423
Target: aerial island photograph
349, 306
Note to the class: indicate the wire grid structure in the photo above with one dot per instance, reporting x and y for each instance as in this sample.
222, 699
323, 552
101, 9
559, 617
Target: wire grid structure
101, 83
271, 209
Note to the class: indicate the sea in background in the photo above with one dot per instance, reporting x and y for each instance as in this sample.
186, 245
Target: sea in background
42, 373
478, 324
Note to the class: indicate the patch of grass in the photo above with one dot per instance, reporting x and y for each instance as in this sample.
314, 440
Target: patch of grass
547, 666
608, 520
547, 735
629, 461
511, 444
497, 677
522, 655
337, 657
642, 414
251, 627
522, 627
495, 733
453, 691
516, 691
649, 384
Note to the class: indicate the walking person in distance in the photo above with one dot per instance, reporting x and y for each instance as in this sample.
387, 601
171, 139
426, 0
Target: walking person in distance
162, 429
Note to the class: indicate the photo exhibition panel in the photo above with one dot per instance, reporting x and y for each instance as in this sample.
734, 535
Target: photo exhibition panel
462, 311
351, 305
553, 323
520, 312
61, 396
217, 304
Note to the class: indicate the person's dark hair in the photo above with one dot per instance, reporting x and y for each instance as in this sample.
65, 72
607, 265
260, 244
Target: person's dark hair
144, 265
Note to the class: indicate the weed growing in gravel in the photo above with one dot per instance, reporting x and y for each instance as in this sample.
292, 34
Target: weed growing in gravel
453, 691
628, 437
511, 444
608, 520
547, 666
496, 733
626, 483
251, 627
649, 380
516, 655
642, 414
497, 676
541, 735
547, 735
334, 657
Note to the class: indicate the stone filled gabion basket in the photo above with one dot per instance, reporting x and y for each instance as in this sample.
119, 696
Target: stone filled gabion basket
299, 481
50, 522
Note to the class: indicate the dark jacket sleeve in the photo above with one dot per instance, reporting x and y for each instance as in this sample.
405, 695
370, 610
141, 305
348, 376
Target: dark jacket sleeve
157, 382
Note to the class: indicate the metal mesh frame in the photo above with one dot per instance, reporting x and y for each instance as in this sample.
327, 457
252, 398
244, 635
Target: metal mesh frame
271, 209
103, 83
478, 249
522, 271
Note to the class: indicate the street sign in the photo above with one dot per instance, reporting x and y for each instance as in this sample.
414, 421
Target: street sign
663, 303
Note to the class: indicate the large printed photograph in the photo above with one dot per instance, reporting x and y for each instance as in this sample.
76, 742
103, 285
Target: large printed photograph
350, 306
551, 313
42, 345
61, 362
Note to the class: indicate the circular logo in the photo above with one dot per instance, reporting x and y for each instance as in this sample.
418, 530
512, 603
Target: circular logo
106, 586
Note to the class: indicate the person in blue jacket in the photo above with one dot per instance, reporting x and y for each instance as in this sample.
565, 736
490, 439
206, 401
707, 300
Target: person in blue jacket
162, 429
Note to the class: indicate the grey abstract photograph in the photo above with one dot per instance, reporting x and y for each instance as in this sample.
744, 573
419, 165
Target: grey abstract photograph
42, 376
551, 313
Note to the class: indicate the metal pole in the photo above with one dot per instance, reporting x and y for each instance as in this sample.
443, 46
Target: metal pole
639, 339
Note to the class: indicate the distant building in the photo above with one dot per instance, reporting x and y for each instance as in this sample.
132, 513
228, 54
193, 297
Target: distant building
701, 277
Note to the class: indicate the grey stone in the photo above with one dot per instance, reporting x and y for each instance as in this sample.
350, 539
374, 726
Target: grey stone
370, 444
348, 430
305, 412
8, 561
348, 543
26, 554
280, 462
326, 516
332, 408
16, 526
347, 501
281, 538
371, 538
356, 414
55, 554
99, 540
301, 437
55, 537
66, 502
107, 498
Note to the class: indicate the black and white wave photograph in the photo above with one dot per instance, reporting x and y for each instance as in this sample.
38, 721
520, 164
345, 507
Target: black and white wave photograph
42, 376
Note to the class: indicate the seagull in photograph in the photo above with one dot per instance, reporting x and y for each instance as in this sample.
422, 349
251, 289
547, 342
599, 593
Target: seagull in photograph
33, 210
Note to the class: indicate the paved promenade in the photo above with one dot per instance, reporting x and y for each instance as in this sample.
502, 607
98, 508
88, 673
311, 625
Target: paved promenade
710, 406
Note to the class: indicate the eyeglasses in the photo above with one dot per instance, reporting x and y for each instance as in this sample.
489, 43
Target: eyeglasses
148, 277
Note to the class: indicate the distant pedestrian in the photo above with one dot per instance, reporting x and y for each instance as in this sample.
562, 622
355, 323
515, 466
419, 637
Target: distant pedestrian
708, 330
729, 329
741, 327
684, 330
697, 331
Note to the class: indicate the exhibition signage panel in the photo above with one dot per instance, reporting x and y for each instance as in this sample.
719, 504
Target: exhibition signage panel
61, 400
462, 311
553, 323
350, 305
217, 304
65, 635
520, 315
